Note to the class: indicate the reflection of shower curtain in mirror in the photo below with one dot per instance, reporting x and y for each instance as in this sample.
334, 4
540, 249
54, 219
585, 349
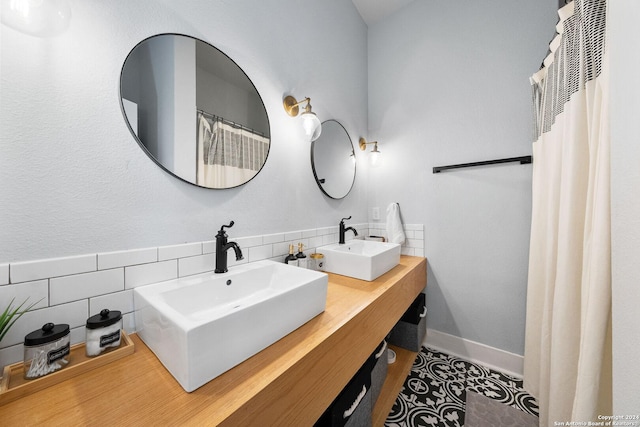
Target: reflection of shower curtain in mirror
227, 156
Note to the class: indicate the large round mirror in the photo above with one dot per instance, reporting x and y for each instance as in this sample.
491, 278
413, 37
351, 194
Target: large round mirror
333, 160
194, 111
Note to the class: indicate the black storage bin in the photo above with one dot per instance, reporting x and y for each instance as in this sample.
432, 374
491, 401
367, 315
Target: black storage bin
409, 332
353, 406
412, 315
379, 372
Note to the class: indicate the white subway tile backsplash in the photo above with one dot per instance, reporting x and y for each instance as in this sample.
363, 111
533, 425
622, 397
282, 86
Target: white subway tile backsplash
273, 238
309, 233
362, 229
407, 251
196, 265
121, 301
414, 234
78, 335
86, 285
4, 274
31, 292
145, 274
415, 243
416, 227
43, 269
74, 314
129, 323
258, 253
280, 249
208, 247
329, 239
231, 260
179, 251
315, 242
326, 230
109, 260
247, 242
12, 354
293, 235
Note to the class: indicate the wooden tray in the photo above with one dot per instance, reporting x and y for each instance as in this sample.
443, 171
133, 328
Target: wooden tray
13, 385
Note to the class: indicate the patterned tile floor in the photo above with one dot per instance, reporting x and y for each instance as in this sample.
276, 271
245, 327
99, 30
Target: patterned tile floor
435, 392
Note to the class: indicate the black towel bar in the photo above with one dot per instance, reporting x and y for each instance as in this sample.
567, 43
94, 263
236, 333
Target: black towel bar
523, 160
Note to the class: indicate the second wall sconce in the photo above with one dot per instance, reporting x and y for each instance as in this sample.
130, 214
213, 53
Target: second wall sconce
375, 154
310, 122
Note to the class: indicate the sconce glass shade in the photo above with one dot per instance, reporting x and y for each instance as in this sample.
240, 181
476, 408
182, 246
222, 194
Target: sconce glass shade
311, 125
374, 156
310, 122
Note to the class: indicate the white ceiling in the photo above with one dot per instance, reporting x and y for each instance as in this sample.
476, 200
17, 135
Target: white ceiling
374, 10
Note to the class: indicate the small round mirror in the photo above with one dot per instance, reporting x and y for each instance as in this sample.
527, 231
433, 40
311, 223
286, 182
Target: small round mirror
333, 160
194, 111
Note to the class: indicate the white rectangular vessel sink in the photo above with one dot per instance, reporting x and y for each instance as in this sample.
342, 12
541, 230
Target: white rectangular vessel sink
360, 259
201, 326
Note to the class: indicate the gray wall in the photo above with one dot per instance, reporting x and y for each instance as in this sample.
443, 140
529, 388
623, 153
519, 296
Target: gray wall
448, 84
624, 40
74, 181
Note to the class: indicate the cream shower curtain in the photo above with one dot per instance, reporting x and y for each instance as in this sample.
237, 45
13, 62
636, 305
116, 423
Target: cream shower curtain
228, 156
567, 363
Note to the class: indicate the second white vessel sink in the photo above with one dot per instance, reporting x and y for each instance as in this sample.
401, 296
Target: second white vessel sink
201, 326
360, 259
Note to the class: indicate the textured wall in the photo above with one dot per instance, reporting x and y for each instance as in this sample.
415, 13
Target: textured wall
448, 84
72, 179
624, 39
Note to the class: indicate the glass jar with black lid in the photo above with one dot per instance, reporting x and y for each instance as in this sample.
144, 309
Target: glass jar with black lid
46, 350
103, 331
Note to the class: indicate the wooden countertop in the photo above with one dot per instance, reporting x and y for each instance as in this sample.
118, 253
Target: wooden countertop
289, 383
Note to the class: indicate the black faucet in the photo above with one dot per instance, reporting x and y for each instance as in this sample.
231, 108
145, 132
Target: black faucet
343, 230
222, 246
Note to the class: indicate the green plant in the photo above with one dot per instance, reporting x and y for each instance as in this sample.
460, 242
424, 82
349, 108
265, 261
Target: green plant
10, 315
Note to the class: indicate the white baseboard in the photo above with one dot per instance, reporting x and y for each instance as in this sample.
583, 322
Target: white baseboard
491, 357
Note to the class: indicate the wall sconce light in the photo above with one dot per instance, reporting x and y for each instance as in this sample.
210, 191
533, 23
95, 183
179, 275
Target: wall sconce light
310, 122
374, 158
